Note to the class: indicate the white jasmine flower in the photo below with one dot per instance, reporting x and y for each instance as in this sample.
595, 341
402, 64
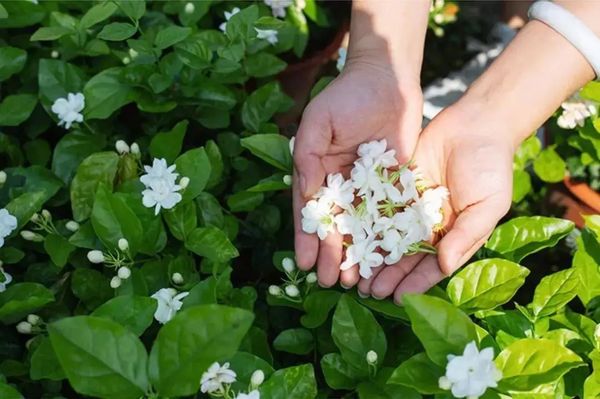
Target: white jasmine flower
72, 226
257, 378
24, 327
8, 223
115, 282
278, 6
372, 357
395, 244
575, 111
408, 181
124, 272
472, 373
291, 144
189, 8
122, 147
213, 379
348, 223
7, 280
135, 148
338, 191
95, 256
292, 291
317, 218
375, 152
288, 265
429, 208
177, 278
33, 319
287, 179
364, 254
341, 61
69, 109
311, 278
270, 35
250, 395
275, 290
169, 302
365, 178
161, 190
3, 177
228, 16
159, 171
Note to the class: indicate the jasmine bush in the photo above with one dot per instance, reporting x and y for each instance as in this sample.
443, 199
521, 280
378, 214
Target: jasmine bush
145, 227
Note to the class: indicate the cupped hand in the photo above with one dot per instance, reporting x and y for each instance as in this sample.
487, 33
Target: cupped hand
475, 164
366, 102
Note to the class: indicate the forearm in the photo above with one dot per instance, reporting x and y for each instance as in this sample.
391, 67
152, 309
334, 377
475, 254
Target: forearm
389, 34
527, 83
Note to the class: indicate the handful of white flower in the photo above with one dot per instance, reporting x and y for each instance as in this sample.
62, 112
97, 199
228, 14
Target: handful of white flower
384, 210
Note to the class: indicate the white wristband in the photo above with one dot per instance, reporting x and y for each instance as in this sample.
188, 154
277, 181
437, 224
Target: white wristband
571, 28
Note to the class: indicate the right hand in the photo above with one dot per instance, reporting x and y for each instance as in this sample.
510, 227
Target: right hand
366, 102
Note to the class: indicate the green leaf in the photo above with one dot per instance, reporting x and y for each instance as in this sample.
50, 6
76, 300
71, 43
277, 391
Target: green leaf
57, 78
271, 148
529, 363
71, 150
521, 185
117, 31
386, 308
241, 25
554, 292
21, 299
195, 165
420, 373
203, 293
291, 383
98, 168
44, 363
378, 390
188, 344
181, 220
100, 357
338, 373
549, 166
134, 9
167, 145
59, 249
585, 262
91, 286
355, 332
12, 61
97, 14
16, 109
105, 93
261, 65
486, 284
442, 329
50, 33
8, 392
211, 243
134, 312
244, 365
171, 36
522, 236
244, 201
262, 104
3, 12
193, 53
299, 341
113, 219
317, 306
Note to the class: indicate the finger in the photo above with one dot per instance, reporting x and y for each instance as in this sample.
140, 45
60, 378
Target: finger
306, 245
389, 278
312, 142
364, 285
349, 278
329, 260
424, 276
470, 230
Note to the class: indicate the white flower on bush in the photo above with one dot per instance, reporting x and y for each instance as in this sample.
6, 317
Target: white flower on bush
169, 303
575, 111
270, 35
161, 188
228, 16
317, 218
341, 60
69, 109
8, 223
250, 395
7, 280
471, 374
278, 6
213, 379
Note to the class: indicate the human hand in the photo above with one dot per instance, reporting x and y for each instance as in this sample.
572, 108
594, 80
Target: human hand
366, 102
475, 164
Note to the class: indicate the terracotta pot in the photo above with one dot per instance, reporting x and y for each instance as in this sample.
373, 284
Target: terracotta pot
298, 79
584, 193
573, 209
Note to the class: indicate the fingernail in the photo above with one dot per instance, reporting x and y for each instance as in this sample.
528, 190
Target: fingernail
323, 285
363, 296
376, 297
303, 186
344, 286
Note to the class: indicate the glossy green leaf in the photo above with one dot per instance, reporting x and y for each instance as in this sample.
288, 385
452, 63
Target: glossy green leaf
419, 373
44, 363
296, 382
167, 145
171, 36
117, 31
549, 166
100, 357
181, 220
338, 373
91, 286
522, 236
262, 104
271, 148
8, 392
554, 292
59, 249
105, 93
212, 243
15, 109
47, 33
585, 262
486, 284
299, 341
195, 165
21, 299
261, 65
317, 306
134, 9
133, 312
58, 78
442, 328
97, 14
188, 344
12, 61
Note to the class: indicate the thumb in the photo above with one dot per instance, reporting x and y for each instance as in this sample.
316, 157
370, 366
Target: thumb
312, 142
470, 230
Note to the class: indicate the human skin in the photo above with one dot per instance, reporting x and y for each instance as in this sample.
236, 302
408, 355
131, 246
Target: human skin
377, 96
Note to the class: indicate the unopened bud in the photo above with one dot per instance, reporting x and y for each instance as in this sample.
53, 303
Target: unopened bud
126, 60
33, 319
189, 8
54, 54
123, 244
133, 54
46, 214
372, 357
72, 226
24, 327
184, 182
444, 383
34, 218
438, 18
2, 177
95, 256
121, 147
115, 282
135, 148
288, 265
275, 290
292, 291
257, 378
124, 273
177, 278
31, 236
287, 179
311, 278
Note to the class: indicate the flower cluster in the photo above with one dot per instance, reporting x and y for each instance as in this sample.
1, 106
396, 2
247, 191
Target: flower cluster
471, 374
33, 324
162, 191
8, 223
120, 260
68, 110
217, 380
575, 111
383, 207
441, 13
294, 280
